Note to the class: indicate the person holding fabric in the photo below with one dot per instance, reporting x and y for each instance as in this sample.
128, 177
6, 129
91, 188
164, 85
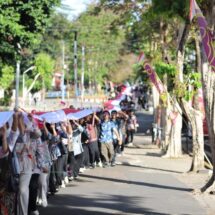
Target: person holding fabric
93, 140
51, 135
107, 129
77, 147
116, 142
8, 135
122, 118
85, 144
26, 148
131, 127
71, 156
62, 159
43, 178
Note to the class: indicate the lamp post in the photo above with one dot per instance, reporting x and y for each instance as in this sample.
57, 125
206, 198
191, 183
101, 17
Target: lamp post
75, 64
17, 84
23, 83
63, 73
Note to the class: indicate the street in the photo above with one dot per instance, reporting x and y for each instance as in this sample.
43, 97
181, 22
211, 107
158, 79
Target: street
141, 183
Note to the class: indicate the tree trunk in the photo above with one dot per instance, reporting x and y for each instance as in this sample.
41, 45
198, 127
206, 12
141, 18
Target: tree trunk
208, 80
175, 148
208, 85
196, 119
175, 145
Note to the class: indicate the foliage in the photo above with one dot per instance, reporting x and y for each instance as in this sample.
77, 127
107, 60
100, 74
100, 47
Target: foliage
164, 68
22, 22
7, 77
44, 66
103, 43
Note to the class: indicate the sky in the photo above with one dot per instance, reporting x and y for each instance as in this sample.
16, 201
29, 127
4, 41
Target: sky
77, 6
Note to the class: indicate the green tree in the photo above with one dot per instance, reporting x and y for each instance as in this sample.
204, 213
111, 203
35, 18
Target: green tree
7, 79
103, 42
43, 73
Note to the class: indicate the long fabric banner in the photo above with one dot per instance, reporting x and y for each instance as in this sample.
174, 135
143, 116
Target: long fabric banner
114, 104
5, 117
154, 78
67, 113
206, 34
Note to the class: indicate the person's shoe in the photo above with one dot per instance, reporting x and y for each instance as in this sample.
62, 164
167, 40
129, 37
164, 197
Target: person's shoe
82, 170
44, 203
63, 185
113, 164
99, 164
70, 178
66, 180
35, 212
105, 165
76, 177
93, 166
130, 144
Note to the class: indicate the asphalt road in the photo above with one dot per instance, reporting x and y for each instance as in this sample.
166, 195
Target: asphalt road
129, 188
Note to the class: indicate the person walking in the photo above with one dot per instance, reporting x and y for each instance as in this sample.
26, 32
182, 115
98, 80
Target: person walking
107, 129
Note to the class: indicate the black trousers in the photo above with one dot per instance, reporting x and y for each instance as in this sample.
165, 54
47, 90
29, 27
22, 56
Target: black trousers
130, 136
116, 147
33, 188
86, 156
122, 147
75, 163
52, 177
61, 167
94, 152
78, 159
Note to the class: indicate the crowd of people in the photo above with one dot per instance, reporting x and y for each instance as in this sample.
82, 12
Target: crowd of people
38, 160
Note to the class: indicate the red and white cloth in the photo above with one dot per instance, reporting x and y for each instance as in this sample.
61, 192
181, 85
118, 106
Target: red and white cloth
114, 104
5, 117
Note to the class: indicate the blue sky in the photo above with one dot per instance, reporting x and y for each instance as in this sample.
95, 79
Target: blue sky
77, 6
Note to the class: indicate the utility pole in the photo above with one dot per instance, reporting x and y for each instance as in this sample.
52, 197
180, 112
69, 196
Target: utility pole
17, 84
75, 64
63, 73
82, 72
23, 84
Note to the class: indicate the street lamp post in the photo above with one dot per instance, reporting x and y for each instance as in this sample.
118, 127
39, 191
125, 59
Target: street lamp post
23, 83
17, 84
75, 64
63, 73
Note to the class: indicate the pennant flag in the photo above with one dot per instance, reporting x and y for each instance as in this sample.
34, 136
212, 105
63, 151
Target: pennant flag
141, 57
206, 34
154, 78
192, 9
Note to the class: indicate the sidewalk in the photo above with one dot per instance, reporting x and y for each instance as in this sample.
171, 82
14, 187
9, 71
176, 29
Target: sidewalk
147, 156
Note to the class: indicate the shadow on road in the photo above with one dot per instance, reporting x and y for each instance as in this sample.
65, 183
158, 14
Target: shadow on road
159, 186
150, 168
84, 205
